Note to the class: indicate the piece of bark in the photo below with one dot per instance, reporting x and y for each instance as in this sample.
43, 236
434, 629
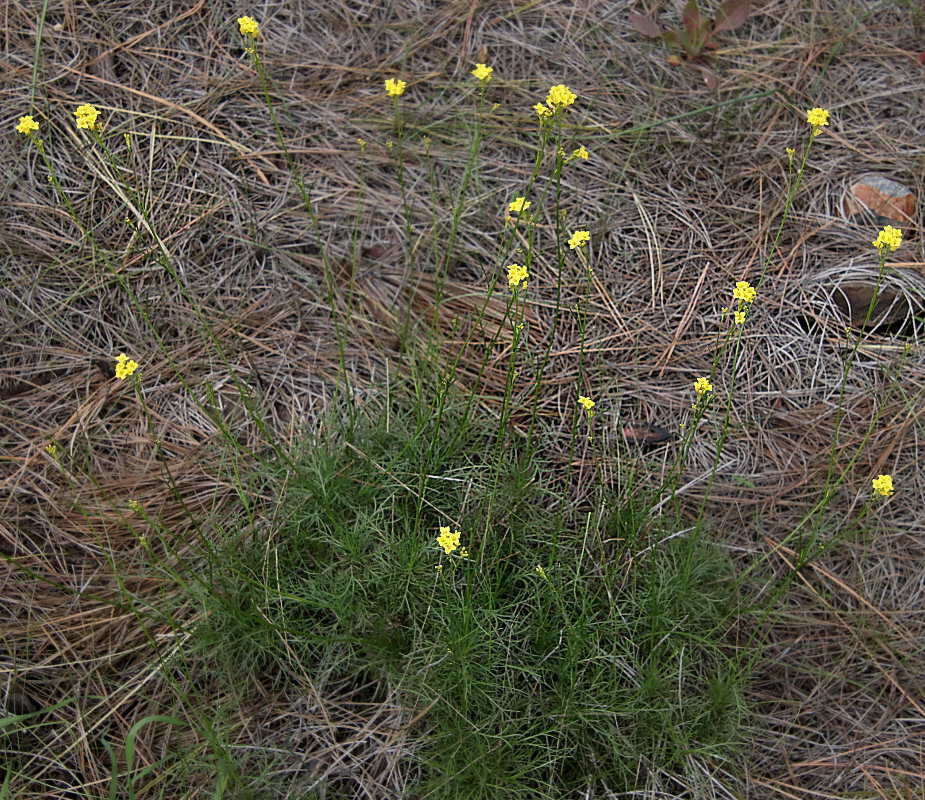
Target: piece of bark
888, 201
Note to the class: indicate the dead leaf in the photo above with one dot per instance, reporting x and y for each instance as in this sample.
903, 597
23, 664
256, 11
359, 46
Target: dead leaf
854, 299
644, 25
883, 196
731, 14
646, 434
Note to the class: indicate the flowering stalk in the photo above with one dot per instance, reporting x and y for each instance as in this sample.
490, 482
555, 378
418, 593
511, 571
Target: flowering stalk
817, 118
558, 100
483, 74
250, 31
890, 239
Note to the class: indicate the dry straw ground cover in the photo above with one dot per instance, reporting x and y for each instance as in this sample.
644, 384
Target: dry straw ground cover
458, 400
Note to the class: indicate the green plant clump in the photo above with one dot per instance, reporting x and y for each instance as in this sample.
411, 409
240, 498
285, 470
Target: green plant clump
561, 652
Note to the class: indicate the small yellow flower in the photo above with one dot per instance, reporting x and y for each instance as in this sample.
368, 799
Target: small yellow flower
517, 276
394, 88
790, 154
125, 366
883, 485
483, 72
586, 402
438, 567
52, 450
27, 125
702, 386
889, 237
248, 27
541, 572
448, 541
463, 552
739, 317
744, 292
581, 153
818, 118
86, 116
542, 111
560, 96
135, 506
579, 239
519, 205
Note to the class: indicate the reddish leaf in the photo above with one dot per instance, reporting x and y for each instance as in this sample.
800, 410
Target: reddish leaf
696, 29
922, 57
731, 14
644, 25
691, 17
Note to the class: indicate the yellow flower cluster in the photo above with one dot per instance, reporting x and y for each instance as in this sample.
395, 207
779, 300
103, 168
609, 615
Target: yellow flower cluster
450, 542
580, 152
883, 485
86, 116
579, 239
483, 72
124, 366
517, 276
27, 125
586, 403
702, 386
888, 237
818, 118
248, 27
560, 96
395, 88
519, 205
744, 292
